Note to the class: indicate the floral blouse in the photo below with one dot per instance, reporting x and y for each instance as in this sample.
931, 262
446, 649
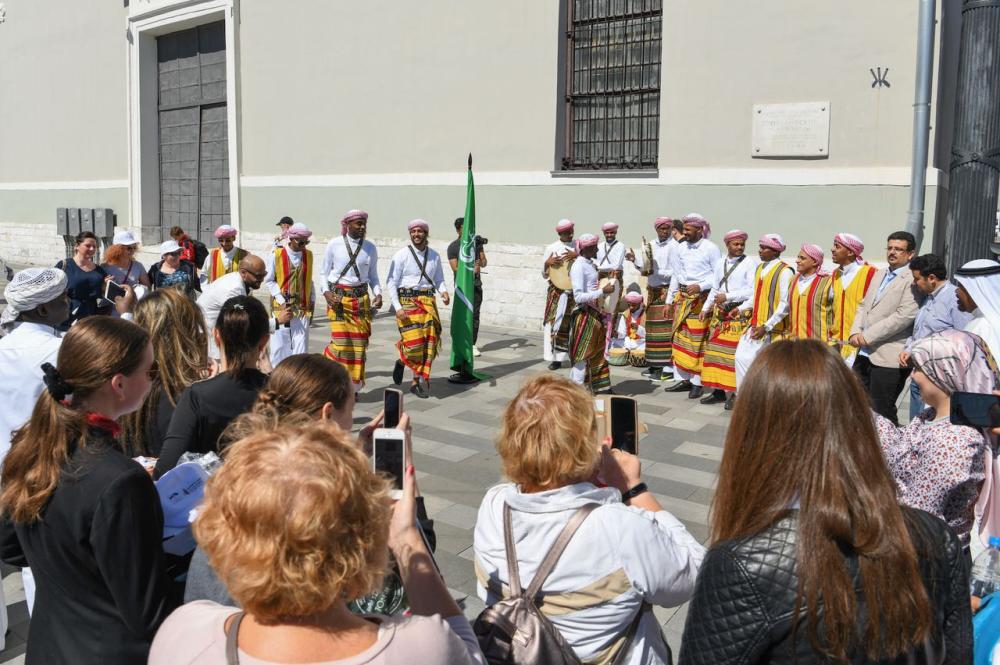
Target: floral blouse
938, 467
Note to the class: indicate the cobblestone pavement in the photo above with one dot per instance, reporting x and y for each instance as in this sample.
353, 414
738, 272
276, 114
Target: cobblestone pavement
456, 461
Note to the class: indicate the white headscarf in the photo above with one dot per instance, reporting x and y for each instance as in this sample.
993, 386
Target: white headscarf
29, 289
985, 290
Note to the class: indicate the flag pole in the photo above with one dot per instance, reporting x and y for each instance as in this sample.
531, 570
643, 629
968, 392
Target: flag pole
463, 310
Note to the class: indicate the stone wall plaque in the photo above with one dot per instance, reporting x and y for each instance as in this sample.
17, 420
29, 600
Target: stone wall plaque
791, 130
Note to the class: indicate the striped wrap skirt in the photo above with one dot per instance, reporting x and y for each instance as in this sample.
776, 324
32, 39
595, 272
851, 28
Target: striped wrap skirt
690, 332
420, 337
588, 339
350, 331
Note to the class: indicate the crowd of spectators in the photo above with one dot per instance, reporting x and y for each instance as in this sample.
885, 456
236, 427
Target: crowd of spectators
836, 535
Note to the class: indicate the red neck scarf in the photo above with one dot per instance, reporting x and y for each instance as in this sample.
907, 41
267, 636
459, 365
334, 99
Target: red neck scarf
102, 422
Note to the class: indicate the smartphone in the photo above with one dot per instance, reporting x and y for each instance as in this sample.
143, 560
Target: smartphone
112, 291
392, 407
625, 424
975, 409
389, 456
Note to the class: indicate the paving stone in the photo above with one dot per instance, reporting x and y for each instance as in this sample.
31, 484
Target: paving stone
456, 460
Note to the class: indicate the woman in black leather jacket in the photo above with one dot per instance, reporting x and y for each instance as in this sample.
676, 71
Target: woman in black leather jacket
805, 516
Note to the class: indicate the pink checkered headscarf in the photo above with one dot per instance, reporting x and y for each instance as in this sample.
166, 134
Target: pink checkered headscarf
586, 240
735, 234
851, 242
418, 224
298, 231
662, 221
564, 225
697, 220
350, 216
609, 226
225, 231
772, 241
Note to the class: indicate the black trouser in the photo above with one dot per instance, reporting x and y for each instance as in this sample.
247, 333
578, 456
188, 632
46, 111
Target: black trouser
883, 384
477, 302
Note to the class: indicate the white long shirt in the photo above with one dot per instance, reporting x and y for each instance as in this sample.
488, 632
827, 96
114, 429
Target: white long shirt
695, 265
214, 296
663, 253
784, 284
624, 554
558, 248
739, 284
404, 273
337, 257
22, 353
583, 275
610, 256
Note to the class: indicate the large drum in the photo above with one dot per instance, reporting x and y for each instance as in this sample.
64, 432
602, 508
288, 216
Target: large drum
609, 301
618, 357
637, 357
559, 276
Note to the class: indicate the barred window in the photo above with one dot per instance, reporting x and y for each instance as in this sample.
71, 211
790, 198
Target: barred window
613, 84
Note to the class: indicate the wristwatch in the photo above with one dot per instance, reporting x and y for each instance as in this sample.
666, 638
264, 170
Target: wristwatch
634, 492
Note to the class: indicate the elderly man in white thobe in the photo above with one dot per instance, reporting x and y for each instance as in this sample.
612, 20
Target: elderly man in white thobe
36, 304
979, 294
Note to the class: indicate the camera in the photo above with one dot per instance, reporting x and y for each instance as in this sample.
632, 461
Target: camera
479, 241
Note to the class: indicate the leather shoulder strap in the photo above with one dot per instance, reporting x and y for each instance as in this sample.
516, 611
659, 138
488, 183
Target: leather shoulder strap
422, 266
549, 562
232, 651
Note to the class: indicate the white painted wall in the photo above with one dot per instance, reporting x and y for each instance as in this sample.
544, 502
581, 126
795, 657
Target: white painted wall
62, 91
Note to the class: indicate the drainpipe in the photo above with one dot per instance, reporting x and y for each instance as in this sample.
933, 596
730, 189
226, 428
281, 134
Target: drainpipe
921, 119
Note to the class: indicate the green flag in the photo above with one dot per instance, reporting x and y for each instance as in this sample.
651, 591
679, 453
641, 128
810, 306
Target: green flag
461, 313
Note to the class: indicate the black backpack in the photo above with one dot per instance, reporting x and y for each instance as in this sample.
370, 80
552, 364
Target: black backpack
514, 631
200, 253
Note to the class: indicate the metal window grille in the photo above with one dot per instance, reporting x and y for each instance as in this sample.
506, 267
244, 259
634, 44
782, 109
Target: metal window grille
613, 84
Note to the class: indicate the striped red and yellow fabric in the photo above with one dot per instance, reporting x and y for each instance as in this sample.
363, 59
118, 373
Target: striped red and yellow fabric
588, 338
420, 337
560, 335
659, 326
810, 314
719, 366
217, 267
350, 331
767, 296
690, 332
295, 283
845, 304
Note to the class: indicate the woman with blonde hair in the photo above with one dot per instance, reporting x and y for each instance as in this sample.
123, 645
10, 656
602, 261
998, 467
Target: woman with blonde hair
80, 513
206, 408
303, 387
812, 557
627, 555
177, 331
297, 525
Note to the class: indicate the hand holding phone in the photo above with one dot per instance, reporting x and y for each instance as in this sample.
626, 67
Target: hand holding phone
975, 409
625, 424
392, 407
112, 291
390, 457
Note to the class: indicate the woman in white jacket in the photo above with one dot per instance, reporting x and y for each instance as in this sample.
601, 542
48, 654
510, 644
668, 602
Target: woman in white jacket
628, 554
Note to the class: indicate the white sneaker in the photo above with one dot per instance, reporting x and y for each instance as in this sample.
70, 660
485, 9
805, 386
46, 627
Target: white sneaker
475, 351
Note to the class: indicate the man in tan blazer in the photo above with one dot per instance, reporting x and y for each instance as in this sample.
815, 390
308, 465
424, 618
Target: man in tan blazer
883, 322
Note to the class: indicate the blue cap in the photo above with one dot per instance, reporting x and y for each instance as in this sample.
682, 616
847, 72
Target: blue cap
994, 541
